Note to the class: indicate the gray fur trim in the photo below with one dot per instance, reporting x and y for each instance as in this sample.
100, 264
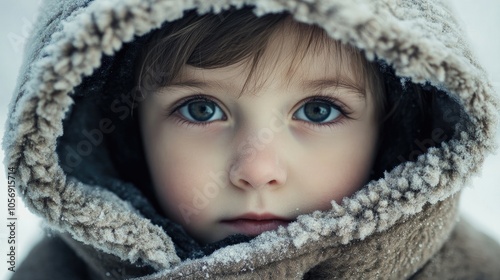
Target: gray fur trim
96, 216
395, 254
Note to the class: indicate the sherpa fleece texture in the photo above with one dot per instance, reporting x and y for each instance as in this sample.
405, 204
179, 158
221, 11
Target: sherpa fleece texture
400, 226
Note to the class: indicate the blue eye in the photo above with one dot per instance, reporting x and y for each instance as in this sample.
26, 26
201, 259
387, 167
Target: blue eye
318, 111
201, 110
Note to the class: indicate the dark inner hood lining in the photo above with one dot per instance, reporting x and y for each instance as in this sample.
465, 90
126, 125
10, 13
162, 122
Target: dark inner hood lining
101, 145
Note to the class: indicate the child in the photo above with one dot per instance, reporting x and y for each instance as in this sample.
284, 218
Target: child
314, 111
308, 141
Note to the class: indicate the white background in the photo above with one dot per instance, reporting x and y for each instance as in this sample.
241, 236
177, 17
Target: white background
480, 202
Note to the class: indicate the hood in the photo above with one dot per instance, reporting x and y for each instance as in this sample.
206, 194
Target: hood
56, 142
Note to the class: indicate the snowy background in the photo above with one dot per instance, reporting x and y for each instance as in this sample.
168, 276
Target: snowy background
480, 201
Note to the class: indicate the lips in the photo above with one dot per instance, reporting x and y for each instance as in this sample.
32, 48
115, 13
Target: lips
254, 224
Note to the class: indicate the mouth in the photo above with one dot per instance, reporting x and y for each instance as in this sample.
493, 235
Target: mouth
252, 224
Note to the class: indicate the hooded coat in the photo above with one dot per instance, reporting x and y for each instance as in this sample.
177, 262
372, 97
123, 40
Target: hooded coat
403, 224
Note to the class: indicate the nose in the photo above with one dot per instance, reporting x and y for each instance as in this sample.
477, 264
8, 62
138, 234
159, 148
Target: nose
263, 169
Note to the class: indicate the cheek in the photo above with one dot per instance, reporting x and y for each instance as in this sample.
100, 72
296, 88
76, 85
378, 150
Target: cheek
177, 170
180, 172
171, 182
337, 168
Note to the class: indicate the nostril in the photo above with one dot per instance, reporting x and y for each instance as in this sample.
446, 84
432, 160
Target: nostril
245, 183
263, 171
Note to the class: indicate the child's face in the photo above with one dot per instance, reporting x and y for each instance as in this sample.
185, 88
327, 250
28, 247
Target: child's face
223, 165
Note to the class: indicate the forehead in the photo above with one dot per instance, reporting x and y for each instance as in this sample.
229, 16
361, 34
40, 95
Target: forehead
295, 53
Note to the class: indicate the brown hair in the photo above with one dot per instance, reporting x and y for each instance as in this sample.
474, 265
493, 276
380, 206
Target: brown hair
217, 40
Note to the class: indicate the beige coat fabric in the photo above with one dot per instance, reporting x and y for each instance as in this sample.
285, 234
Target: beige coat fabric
403, 225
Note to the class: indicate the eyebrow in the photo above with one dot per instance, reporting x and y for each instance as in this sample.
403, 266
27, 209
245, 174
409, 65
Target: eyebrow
315, 85
190, 83
342, 82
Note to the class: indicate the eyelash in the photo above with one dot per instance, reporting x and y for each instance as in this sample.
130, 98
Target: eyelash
344, 112
183, 121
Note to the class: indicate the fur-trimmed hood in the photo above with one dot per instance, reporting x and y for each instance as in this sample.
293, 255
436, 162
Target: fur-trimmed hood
398, 226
